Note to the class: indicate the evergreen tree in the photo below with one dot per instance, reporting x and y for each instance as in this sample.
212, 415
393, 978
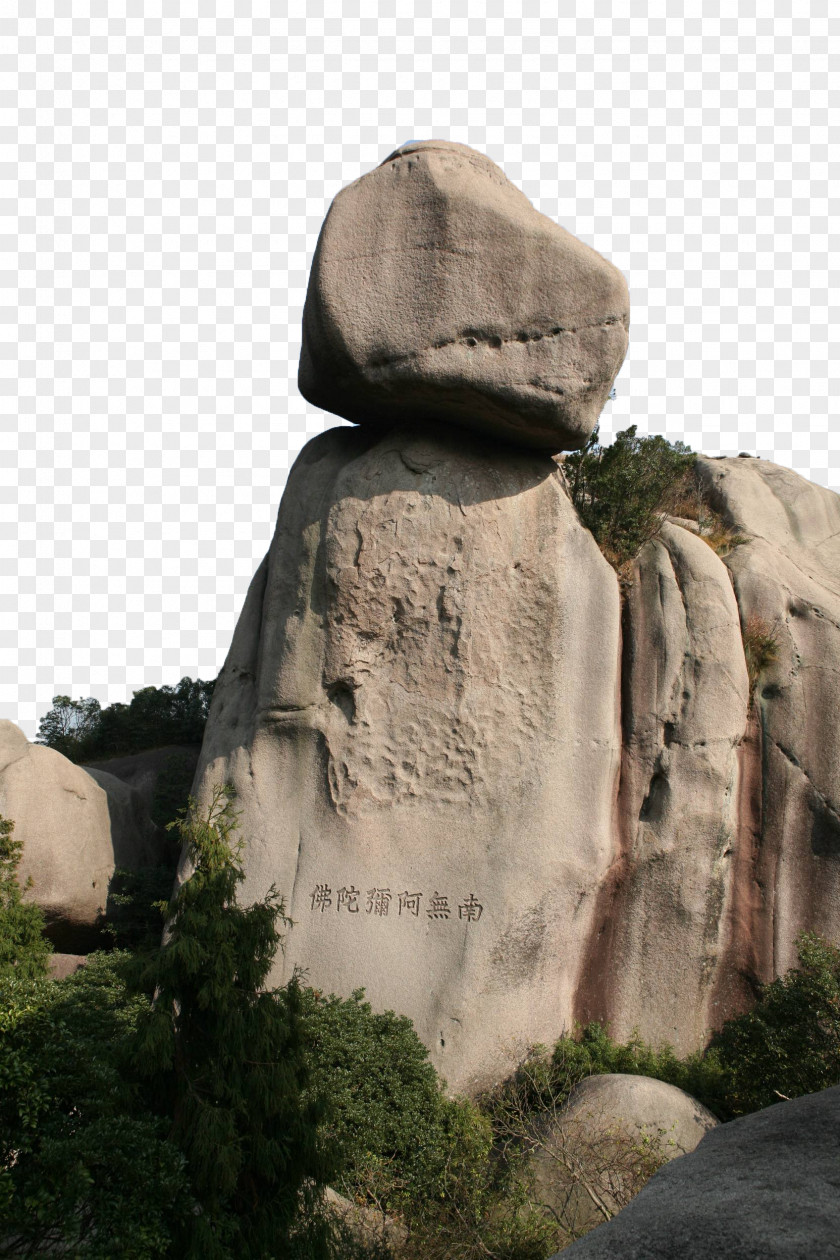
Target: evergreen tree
24, 950
225, 1060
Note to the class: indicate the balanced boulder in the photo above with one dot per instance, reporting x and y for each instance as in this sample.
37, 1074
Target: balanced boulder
77, 827
438, 292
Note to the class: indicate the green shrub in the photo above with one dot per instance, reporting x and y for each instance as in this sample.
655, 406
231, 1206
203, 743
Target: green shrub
789, 1044
84, 1171
402, 1141
24, 950
621, 491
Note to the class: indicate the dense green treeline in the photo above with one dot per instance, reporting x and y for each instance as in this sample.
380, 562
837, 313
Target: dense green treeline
83, 731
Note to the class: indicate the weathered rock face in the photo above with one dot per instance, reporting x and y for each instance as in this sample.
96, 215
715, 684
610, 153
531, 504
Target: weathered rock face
77, 826
787, 580
728, 831
419, 713
661, 934
439, 292
763, 1186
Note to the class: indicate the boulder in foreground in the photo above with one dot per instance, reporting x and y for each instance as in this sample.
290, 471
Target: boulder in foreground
759, 1188
438, 292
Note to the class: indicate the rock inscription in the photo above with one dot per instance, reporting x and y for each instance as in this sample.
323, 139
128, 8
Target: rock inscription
377, 901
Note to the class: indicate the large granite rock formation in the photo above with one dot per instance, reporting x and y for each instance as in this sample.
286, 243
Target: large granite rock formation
439, 292
77, 826
422, 698
728, 823
758, 1188
472, 806
419, 713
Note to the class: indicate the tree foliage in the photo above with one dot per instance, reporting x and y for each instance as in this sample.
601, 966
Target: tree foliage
24, 950
621, 491
84, 1170
152, 1105
83, 731
789, 1044
224, 1059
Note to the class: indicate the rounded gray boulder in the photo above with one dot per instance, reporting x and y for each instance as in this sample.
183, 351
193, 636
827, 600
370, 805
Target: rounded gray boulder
642, 1107
438, 292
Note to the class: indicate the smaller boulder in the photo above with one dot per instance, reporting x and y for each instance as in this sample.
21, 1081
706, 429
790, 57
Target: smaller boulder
162, 776
64, 965
77, 826
642, 1106
596, 1153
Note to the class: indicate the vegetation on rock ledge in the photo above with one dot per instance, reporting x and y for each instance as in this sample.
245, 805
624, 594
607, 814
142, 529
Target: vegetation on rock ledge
622, 491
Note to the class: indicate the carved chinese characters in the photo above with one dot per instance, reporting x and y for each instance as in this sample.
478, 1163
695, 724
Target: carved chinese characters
377, 901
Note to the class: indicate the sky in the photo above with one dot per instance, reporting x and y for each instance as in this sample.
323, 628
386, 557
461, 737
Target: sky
165, 174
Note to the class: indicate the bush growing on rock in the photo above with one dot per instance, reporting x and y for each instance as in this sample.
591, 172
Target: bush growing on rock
403, 1140
24, 949
761, 646
621, 491
789, 1044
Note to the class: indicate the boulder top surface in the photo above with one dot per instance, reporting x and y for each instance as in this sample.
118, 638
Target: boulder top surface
438, 292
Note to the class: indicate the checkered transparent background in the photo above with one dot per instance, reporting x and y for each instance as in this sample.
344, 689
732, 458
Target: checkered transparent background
164, 179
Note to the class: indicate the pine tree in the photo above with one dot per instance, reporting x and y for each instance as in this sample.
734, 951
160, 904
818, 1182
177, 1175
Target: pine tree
225, 1060
24, 950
